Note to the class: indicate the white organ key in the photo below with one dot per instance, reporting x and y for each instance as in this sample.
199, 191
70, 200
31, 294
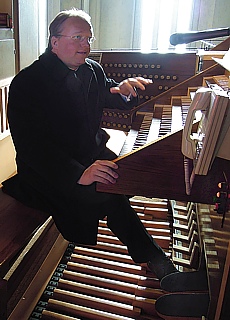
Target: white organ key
176, 118
129, 142
154, 130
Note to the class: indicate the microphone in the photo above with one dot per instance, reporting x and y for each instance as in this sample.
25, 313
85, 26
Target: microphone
179, 38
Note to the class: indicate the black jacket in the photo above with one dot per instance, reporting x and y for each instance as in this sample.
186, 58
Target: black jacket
54, 115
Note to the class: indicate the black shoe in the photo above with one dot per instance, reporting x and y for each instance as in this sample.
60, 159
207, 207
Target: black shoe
161, 265
185, 281
183, 305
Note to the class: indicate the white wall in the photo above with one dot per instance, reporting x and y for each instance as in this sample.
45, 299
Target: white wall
28, 32
116, 23
209, 14
7, 158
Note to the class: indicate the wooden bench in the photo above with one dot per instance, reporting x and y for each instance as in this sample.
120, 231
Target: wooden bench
28, 238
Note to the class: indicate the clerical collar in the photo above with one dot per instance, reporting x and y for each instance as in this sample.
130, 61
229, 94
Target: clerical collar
75, 70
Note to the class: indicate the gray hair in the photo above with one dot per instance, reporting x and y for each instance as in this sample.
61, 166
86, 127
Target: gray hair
55, 27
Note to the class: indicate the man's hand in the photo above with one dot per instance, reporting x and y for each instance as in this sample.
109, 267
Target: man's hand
126, 87
100, 171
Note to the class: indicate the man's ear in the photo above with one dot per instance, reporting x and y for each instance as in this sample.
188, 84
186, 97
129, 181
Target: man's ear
54, 42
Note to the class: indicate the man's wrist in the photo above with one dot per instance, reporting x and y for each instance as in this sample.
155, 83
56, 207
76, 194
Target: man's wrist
127, 98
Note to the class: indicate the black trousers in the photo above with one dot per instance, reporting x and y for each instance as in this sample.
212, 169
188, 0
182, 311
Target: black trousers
122, 220
126, 225
77, 216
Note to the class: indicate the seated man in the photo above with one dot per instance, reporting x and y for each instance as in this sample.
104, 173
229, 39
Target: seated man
55, 109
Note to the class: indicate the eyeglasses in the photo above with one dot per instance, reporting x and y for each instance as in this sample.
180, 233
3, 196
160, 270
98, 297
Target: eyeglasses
79, 38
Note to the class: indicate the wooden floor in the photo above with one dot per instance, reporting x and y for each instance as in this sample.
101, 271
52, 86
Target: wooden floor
102, 282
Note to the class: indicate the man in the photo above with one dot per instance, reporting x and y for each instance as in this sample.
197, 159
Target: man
55, 109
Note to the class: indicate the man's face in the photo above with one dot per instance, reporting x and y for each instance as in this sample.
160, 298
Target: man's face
72, 52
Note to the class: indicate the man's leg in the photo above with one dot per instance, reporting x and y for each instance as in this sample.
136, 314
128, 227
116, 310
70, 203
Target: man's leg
126, 225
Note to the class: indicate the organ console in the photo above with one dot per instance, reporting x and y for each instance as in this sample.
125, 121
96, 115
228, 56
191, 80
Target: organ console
102, 282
